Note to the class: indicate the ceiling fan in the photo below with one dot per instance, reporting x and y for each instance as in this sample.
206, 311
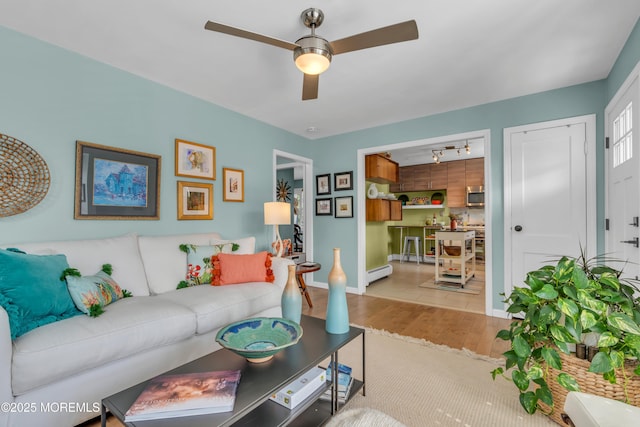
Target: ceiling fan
312, 54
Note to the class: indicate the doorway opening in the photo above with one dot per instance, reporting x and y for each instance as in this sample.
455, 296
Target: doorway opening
426, 145
295, 172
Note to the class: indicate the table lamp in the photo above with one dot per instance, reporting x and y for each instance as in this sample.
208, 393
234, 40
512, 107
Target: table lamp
277, 213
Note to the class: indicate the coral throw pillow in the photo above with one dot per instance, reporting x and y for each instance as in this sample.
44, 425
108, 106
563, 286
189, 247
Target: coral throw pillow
230, 269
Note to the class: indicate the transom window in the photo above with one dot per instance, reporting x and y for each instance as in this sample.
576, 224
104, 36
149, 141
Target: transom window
622, 136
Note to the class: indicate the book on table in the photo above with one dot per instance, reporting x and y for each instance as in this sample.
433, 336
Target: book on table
179, 395
345, 381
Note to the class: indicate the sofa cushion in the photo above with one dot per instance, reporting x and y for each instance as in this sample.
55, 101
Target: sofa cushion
164, 263
32, 291
64, 348
232, 269
216, 306
89, 255
98, 291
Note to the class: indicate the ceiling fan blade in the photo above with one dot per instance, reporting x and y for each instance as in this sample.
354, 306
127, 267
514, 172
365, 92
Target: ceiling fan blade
310, 86
401, 32
233, 31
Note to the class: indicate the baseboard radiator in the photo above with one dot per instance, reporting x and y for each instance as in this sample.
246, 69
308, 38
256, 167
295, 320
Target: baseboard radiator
378, 273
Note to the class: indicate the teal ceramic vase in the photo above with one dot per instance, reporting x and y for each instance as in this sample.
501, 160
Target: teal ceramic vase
337, 310
291, 301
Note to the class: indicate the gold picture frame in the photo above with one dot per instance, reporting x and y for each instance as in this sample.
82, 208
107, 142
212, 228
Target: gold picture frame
195, 200
233, 185
195, 160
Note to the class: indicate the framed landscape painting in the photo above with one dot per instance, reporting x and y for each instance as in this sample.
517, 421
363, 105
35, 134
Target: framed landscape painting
114, 183
233, 185
195, 160
195, 200
344, 207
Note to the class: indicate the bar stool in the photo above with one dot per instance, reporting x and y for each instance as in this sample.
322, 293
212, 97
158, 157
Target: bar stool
406, 248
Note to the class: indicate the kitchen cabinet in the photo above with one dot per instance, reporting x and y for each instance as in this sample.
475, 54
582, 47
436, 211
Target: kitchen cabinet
384, 210
474, 172
380, 169
456, 184
421, 177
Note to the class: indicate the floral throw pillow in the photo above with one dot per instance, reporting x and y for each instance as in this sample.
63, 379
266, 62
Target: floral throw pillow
200, 264
91, 294
229, 269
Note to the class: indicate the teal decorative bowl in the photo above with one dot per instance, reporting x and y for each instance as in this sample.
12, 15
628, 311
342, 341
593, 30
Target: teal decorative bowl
259, 338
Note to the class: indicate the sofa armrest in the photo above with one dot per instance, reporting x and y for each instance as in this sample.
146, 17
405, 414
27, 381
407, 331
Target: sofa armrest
280, 267
6, 353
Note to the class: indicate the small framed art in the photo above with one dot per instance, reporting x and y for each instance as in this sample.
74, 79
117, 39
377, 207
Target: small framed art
233, 185
344, 207
195, 200
323, 184
195, 160
114, 183
343, 181
324, 206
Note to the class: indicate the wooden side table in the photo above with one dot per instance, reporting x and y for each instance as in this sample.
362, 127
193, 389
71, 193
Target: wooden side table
305, 267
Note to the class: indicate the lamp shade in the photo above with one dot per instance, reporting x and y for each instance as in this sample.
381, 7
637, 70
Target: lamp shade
277, 213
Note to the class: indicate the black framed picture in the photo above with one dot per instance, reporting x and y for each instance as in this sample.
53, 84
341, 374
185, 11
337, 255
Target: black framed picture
324, 206
323, 184
114, 183
343, 181
344, 207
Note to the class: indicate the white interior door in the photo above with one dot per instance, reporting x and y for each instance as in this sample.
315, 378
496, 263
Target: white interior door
546, 195
623, 181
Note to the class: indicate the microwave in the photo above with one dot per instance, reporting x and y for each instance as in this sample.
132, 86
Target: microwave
475, 196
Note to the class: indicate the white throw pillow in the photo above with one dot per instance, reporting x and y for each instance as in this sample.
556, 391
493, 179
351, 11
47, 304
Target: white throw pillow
247, 245
88, 256
164, 263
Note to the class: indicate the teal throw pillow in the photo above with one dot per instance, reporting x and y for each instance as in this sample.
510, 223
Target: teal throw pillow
32, 291
199, 265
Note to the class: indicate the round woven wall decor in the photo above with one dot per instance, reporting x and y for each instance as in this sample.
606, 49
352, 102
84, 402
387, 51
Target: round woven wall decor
24, 177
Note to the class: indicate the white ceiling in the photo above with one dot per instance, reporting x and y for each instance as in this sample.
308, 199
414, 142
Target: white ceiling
469, 52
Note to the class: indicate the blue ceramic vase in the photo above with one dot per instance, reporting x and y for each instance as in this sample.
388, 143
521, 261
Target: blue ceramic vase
291, 300
337, 310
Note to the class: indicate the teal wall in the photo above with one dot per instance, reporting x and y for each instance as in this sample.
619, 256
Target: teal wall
52, 97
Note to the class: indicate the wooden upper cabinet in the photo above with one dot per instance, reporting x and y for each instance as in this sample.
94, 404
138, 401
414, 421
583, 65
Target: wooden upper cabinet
384, 210
380, 169
474, 172
421, 178
439, 176
456, 184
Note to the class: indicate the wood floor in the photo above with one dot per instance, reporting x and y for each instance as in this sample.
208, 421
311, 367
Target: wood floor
407, 281
457, 329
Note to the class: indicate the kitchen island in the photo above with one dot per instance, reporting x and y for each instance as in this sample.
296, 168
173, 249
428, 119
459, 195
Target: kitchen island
455, 256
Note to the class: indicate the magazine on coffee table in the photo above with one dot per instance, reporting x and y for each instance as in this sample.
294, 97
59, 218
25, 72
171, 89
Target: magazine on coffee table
179, 395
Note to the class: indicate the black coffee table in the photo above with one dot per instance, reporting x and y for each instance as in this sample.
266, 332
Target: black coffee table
258, 382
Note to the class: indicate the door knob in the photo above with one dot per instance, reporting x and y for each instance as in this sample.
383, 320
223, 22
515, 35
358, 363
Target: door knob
634, 241
636, 222
518, 228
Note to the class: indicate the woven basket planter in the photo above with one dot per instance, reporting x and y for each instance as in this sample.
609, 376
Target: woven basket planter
589, 382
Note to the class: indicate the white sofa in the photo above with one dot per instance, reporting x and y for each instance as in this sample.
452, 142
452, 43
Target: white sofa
57, 374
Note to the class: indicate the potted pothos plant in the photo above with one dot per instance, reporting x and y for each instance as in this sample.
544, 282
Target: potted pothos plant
561, 305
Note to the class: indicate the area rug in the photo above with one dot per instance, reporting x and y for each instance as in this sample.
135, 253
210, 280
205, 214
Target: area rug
471, 287
423, 384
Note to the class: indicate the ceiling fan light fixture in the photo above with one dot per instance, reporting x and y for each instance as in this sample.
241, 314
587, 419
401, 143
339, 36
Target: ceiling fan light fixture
313, 56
